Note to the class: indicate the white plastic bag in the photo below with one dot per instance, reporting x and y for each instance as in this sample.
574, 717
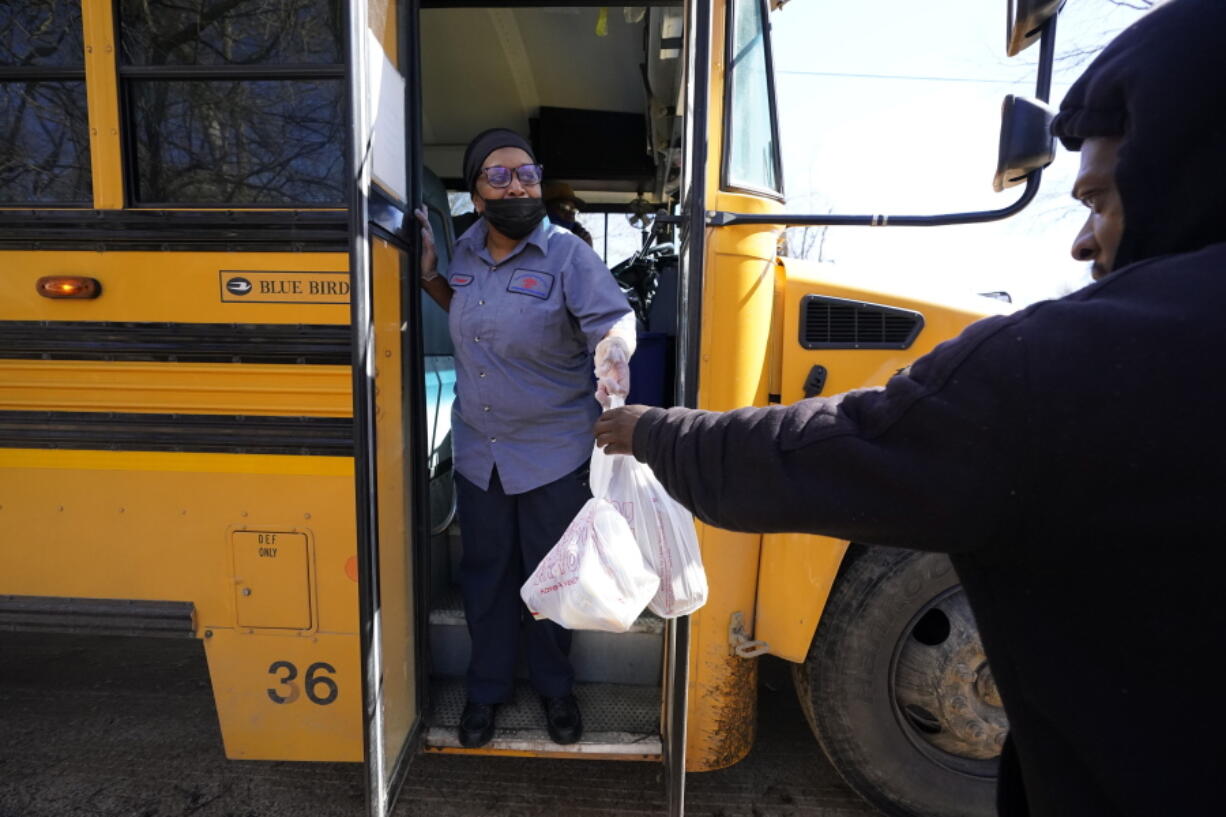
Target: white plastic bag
594, 578
663, 529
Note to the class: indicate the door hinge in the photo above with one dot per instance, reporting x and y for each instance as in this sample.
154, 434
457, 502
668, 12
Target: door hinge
741, 644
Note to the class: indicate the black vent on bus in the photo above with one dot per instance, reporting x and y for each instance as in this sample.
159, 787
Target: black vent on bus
836, 323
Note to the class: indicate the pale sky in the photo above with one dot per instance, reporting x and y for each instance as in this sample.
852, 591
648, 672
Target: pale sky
893, 106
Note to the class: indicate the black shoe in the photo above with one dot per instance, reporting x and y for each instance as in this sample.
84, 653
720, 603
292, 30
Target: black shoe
477, 724
563, 719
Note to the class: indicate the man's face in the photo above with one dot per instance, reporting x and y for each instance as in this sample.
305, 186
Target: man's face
1095, 188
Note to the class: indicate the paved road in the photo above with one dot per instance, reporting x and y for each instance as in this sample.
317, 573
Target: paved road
125, 728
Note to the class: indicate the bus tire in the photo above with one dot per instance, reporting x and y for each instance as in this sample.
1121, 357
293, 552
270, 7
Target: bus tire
897, 690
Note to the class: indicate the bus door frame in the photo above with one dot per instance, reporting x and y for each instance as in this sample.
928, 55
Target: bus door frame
691, 255
381, 216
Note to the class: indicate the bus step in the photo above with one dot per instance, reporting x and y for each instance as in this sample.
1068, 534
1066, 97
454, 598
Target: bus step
620, 721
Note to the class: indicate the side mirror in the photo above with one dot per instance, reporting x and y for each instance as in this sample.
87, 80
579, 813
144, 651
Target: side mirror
1025, 22
1026, 143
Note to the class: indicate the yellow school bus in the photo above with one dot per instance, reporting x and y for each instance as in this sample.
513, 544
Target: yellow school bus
224, 402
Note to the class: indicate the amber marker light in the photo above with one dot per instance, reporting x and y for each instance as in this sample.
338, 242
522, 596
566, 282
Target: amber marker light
68, 286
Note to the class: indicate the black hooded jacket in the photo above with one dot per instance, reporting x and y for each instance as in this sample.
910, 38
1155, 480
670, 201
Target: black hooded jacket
1161, 85
1069, 457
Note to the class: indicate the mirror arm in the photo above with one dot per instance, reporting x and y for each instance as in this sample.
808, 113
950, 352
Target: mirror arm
1047, 53
719, 218
1047, 58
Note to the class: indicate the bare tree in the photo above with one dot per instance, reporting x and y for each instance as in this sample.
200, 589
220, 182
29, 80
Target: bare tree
1076, 57
804, 242
261, 139
44, 142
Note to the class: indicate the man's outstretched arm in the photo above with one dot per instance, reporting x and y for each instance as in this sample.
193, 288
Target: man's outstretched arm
930, 461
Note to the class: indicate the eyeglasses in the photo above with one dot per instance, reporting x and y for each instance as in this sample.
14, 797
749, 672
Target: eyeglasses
499, 176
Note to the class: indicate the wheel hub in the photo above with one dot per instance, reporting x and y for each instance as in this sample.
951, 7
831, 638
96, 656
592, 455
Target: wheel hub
942, 685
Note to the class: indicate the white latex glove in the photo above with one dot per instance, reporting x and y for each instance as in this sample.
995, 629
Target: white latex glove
612, 369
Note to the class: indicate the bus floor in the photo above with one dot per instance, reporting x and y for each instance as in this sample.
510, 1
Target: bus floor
125, 727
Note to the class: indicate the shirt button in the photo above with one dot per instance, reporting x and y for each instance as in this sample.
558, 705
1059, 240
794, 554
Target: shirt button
493, 439
481, 374
485, 408
477, 340
482, 303
493, 268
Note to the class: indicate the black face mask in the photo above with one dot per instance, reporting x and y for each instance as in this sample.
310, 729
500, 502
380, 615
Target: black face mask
514, 218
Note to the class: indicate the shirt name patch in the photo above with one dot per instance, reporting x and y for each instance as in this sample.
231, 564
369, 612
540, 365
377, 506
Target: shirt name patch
531, 282
461, 279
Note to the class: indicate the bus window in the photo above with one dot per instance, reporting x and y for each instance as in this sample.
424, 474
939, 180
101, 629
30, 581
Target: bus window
751, 160
613, 238
234, 103
44, 138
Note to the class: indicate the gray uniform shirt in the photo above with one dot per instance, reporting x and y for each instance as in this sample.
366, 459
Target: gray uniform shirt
524, 330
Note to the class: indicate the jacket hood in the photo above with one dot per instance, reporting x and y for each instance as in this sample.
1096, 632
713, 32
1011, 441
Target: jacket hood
1161, 85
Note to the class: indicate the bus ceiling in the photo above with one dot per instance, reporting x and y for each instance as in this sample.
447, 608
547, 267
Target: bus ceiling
1026, 143
589, 84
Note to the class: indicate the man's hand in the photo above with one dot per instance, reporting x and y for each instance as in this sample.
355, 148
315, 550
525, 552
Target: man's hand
615, 429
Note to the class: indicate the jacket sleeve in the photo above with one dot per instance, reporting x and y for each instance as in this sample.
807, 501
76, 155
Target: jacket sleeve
931, 461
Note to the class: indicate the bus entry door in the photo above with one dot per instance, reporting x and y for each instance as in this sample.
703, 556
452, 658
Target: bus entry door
392, 516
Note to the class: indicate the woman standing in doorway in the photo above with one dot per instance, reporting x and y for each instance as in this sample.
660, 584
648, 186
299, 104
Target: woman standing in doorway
532, 309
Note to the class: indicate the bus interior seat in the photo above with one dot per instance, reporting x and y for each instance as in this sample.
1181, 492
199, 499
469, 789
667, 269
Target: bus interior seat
436, 338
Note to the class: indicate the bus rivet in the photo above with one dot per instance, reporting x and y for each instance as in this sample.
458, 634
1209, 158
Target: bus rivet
306, 516
244, 513
208, 633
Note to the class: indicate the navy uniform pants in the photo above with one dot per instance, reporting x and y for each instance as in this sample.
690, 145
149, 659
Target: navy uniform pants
504, 538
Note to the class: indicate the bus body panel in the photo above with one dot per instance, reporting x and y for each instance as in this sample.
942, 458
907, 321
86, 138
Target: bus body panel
102, 97
795, 575
219, 531
158, 526
856, 368
737, 314
797, 571
287, 696
175, 388
173, 287
260, 545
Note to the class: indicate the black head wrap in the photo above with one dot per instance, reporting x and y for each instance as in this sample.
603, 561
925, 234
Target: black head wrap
1161, 86
485, 143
